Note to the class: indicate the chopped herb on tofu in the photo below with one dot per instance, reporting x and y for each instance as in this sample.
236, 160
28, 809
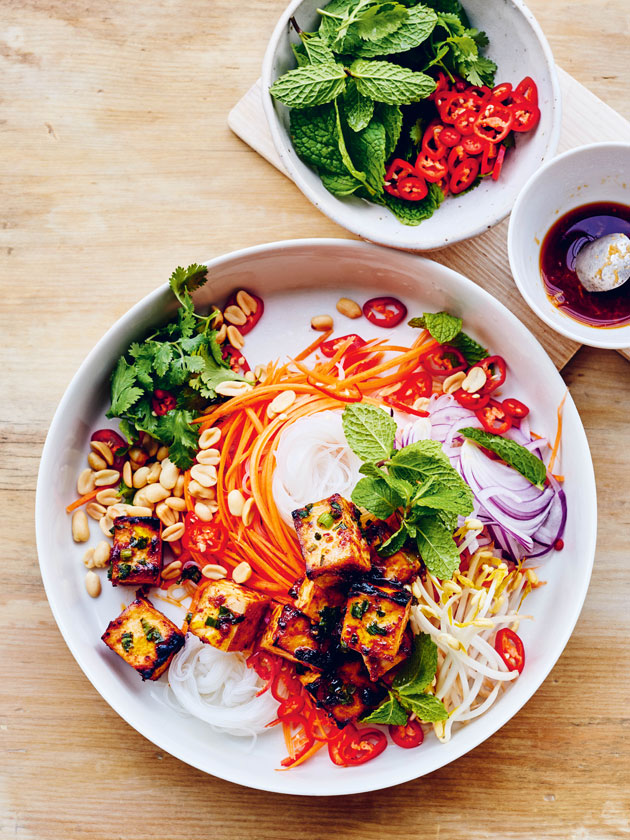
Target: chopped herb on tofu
330, 539
345, 693
291, 634
313, 596
144, 637
136, 557
226, 615
374, 624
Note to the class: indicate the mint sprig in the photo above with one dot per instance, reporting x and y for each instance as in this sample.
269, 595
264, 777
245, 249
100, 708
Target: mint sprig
409, 689
417, 482
447, 329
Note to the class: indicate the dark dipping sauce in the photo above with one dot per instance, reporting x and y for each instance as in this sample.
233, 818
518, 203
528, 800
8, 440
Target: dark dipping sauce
557, 265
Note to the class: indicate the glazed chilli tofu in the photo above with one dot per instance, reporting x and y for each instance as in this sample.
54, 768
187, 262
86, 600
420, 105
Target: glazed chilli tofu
144, 637
402, 566
345, 692
330, 539
293, 636
136, 558
226, 615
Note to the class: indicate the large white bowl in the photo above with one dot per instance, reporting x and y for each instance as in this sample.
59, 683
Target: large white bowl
519, 48
298, 279
588, 174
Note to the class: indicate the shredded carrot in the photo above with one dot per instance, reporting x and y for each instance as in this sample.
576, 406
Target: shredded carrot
312, 347
83, 500
556, 445
315, 748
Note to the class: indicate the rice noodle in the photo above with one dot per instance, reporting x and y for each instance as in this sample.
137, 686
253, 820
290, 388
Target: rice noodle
313, 461
218, 688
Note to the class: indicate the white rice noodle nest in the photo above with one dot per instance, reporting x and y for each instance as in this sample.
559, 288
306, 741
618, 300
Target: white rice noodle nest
313, 461
218, 688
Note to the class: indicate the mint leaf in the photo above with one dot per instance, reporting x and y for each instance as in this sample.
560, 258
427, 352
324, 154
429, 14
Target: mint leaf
417, 27
383, 81
369, 430
437, 547
418, 671
394, 543
317, 51
358, 109
367, 149
442, 326
415, 462
426, 707
472, 351
124, 393
389, 712
515, 455
299, 52
305, 87
413, 212
376, 496
381, 20
446, 491
315, 140
345, 156
391, 117
339, 185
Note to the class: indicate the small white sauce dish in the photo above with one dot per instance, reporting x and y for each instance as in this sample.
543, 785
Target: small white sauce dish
518, 47
599, 172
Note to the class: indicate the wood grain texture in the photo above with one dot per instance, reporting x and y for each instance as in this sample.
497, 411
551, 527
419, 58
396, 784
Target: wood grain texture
117, 165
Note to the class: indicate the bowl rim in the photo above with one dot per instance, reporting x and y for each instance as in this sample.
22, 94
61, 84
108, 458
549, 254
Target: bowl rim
592, 336
335, 209
138, 722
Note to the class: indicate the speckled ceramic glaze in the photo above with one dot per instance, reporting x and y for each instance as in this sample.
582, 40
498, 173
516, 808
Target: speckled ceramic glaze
518, 47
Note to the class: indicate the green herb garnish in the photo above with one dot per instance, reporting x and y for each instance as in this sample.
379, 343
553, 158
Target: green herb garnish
447, 329
409, 689
152, 634
515, 455
359, 608
375, 629
325, 520
126, 640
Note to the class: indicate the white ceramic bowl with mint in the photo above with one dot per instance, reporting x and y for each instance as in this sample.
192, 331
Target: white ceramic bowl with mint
298, 279
588, 174
518, 47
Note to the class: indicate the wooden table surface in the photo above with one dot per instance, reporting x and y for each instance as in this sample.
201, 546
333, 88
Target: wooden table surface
117, 164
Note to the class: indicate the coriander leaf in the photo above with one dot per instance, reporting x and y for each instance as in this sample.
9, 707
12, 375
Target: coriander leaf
478, 70
394, 543
442, 326
367, 149
185, 281
314, 136
389, 712
469, 348
376, 496
391, 117
426, 707
369, 430
305, 87
317, 51
358, 109
418, 671
185, 437
419, 24
380, 20
162, 358
383, 81
126, 493
339, 185
515, 455
437, 547
124, 392
453, 7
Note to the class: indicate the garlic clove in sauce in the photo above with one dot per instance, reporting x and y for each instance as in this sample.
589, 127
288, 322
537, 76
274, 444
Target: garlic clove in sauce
604, 264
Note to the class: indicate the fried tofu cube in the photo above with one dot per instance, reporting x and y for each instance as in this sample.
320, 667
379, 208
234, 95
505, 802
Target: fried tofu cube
136, 557
403, 566
316, 601
346, 693
227, 616
375, 621
144, 637
330, 539
290, 634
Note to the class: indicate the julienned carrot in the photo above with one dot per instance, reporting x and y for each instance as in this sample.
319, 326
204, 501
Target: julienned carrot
82, 500
312, 347
556, 445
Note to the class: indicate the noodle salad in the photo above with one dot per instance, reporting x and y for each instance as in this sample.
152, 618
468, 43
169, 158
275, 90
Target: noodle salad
348, 535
